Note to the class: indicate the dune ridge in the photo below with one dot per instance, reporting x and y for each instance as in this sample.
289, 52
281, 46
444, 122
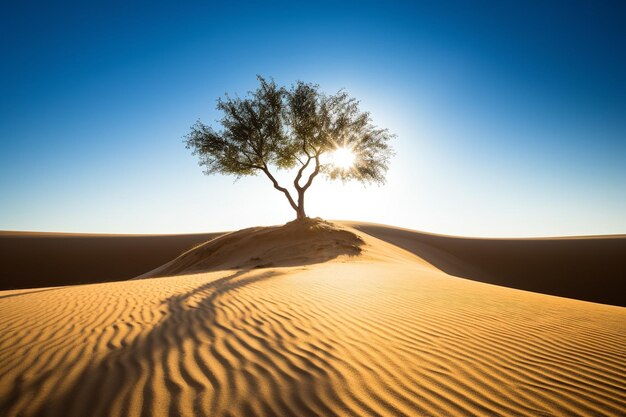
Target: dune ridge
590, 268
379, 334
43, 259
298, 242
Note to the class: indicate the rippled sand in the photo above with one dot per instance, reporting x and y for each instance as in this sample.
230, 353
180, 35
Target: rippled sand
381, 334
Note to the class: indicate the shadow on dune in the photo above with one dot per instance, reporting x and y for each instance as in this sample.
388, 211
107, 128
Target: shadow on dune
26, 293
586, 268
156, 364
297, 243
34, 260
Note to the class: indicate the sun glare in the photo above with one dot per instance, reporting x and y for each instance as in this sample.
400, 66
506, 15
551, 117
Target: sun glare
343, 158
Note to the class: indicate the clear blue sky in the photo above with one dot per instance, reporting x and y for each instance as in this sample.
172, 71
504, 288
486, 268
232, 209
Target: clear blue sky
510, 115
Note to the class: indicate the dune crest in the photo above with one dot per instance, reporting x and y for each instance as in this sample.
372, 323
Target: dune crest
300, 242
589, 268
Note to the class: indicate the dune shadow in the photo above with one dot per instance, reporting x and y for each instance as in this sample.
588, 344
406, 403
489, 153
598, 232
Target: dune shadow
26, 293
585, 268
298, 243
37, 260
155, 361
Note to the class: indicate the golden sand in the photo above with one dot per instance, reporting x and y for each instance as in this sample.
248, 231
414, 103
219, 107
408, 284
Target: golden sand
382, 333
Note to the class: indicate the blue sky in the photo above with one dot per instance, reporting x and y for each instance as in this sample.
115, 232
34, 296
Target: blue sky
510, 115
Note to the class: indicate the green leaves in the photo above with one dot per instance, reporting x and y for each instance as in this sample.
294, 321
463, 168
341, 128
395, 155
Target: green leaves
285, 127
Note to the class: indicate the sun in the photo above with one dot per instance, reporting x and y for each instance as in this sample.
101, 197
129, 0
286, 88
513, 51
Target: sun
342, 158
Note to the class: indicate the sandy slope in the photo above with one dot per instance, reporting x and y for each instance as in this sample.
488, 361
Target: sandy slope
590, 268
384, 333
34, 259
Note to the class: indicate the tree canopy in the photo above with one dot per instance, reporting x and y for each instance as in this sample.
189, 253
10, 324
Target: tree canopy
292, 127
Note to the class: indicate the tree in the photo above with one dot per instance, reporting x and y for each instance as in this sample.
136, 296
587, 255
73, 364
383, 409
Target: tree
289, 128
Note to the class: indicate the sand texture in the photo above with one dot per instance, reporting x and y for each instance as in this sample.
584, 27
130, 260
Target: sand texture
589, 268
32, 260
347, 326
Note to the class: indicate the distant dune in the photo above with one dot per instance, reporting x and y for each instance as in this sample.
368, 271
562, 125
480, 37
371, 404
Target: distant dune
32, 259
589, 268
348, 325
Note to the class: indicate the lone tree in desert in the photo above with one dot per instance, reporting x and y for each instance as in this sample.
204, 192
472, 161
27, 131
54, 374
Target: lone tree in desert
298, 127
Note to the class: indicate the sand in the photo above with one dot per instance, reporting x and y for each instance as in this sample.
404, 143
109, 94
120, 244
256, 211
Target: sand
590, 268
35, 259
378, 332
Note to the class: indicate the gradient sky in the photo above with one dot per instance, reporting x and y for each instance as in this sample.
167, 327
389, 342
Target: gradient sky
510, 115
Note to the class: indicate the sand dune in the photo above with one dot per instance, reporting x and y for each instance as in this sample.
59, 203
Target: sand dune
591, 268
381, 333
34, 259
295, 243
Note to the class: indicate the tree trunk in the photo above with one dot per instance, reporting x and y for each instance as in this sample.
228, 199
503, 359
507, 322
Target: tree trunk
300, 211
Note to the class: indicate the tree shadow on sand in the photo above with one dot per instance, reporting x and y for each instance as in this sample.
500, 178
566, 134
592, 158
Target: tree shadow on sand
298, 243
130, 377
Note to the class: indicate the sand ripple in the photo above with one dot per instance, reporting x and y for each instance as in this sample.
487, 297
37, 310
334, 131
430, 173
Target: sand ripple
333, 339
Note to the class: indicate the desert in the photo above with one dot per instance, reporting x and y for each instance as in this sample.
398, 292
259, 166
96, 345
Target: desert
352, 325
313, 208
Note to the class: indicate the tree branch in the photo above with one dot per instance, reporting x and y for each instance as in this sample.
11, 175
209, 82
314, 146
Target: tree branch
304, 147
251, 164
279, 188
314, 173
296, 182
